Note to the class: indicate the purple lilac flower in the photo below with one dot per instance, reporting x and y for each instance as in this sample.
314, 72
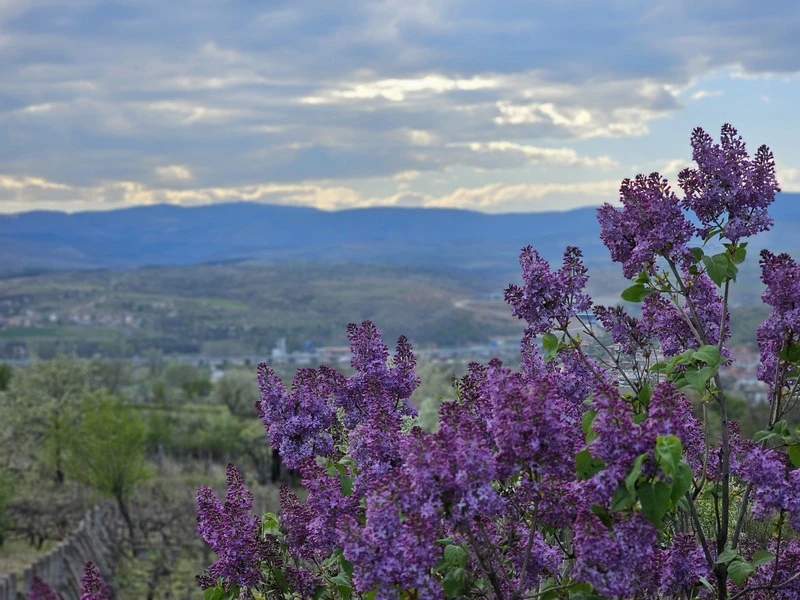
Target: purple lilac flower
632, 334
669, 323
376, 387
781, 275
649, 224
301, 581
374, 445
233, 532
392, 551
788, 565
767, 470
618, 562
728, 184
670, 413
683, 564
544, 560
450, 472
577, 378
533, 426
311, 526
549, 299
297, 421
532, 365
92, 585
41, 591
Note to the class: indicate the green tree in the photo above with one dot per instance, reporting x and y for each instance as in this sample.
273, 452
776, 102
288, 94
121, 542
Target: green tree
107, 451
238, 390
39, 412
6, 494
6, 372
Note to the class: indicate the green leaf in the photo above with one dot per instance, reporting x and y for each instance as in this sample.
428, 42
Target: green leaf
762, 435
739, 570
739, 255
708, 354
762, 557
668, 452
655, 498
622, 499
636, 293
550, 345
717, 267
791, 353
794, 454
347, 484
455, 556
586, 465
727, 556
697, 253
454, 582
212, 593
633, 474
587, 420
698, 379
706, 584
645, 394
681, 483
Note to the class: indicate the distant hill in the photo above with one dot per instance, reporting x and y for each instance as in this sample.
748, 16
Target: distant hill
171, 235
437, 238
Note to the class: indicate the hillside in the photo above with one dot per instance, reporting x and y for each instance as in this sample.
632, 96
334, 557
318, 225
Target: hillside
240, 309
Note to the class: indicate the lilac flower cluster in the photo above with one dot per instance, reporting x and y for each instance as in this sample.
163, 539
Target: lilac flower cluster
549, 299
233, 532
695, 323
393, 551
618, 562
650, 224
41, 591
311, 526
781, 275
297, 421
683, 565
775, 487
632, 334
728, 184
92, 585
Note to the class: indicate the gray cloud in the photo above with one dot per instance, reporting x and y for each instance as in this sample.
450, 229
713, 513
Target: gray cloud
246, 93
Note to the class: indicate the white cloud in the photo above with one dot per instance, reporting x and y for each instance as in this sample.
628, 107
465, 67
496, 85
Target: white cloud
397, 90
700, 94
494, 197
561, 157
788, 178
174, 173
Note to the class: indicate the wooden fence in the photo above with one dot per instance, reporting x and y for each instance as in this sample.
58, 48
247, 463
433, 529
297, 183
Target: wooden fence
96, 539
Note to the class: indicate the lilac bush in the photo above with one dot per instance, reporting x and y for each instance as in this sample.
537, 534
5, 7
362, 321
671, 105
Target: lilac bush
583, 475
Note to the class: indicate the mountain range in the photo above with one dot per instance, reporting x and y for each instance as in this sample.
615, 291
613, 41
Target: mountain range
439, 238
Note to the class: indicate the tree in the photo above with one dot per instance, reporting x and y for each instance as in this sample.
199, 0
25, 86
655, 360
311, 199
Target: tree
40, 410
107, 451
6, 494
6, 372
238, 390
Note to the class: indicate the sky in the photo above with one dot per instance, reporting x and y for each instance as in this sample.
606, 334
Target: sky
508, 106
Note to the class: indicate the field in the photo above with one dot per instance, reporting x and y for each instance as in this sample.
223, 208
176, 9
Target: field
241, 309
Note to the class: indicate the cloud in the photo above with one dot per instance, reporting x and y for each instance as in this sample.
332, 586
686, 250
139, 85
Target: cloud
494, 197
700, 94
509, 152
148, 92
173, 173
